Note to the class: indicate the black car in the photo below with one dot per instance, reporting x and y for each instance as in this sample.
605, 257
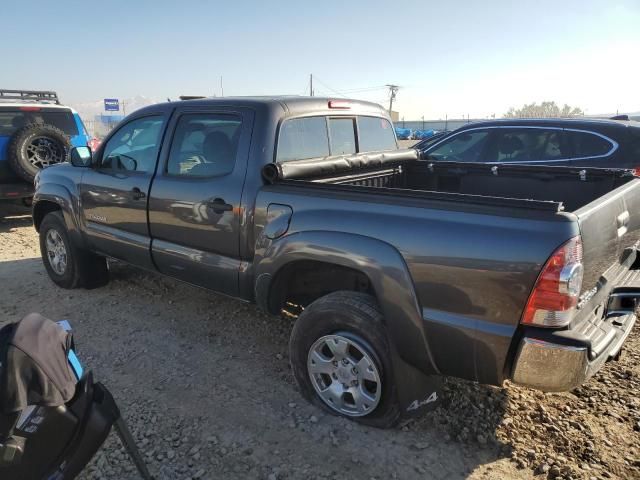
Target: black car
427, 142
562, 141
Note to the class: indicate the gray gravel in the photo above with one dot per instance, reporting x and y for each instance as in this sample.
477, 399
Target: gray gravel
205, 385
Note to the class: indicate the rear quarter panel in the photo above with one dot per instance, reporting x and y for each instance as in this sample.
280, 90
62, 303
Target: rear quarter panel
471, 268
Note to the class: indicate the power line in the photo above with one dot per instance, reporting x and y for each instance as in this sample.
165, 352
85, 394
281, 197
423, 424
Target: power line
328, 87
365, 89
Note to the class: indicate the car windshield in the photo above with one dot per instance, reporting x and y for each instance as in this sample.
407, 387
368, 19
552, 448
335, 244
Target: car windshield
12, 120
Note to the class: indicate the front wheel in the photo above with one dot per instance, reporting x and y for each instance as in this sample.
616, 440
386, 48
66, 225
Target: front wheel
66, 264
340, 358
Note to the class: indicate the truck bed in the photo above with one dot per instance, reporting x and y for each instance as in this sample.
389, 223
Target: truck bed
554, 188
601, 202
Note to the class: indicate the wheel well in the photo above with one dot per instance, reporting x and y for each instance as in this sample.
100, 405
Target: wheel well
298, 284
41, 210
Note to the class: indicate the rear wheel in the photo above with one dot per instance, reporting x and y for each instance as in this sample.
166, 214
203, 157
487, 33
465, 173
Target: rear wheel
340, 358
66, 264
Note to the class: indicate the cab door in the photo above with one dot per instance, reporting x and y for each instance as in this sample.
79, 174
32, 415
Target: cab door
114, 195
195, 204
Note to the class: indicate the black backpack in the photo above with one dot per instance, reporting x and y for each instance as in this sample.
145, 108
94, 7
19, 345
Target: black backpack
53, 417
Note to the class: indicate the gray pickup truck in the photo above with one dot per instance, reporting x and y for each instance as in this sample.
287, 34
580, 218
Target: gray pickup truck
398, 270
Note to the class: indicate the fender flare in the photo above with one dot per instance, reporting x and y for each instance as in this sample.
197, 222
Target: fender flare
383, 265
62, 197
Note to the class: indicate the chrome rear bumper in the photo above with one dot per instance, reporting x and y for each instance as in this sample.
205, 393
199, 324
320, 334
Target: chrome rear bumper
561, 362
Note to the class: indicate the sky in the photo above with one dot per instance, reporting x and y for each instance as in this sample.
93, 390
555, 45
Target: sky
449, 58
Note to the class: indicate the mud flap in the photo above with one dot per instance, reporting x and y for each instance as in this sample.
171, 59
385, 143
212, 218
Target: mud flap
418, 392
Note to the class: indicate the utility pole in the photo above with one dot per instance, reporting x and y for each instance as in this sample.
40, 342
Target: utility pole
393, 89
311, 85
124, 109
446, 121
221, 87
422, 122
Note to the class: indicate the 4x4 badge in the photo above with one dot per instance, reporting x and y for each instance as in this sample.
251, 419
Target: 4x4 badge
416, 404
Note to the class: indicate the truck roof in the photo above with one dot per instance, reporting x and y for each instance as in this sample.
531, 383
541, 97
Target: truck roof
290, 105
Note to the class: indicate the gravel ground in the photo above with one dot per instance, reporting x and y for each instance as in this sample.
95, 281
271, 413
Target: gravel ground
205, 385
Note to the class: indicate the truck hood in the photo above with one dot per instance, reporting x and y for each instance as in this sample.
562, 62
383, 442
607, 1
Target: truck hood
61, 174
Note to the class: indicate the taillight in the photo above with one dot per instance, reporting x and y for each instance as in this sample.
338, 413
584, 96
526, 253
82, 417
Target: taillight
555, 294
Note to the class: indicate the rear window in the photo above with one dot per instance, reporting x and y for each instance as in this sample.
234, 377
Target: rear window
375, 134
588, 144
312, 137
342, 136
303, 138
12, 120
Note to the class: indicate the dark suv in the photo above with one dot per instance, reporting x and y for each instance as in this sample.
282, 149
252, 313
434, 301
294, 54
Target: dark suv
564, 142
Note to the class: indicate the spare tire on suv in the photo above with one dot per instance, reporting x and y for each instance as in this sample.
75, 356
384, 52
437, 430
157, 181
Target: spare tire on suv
36, 146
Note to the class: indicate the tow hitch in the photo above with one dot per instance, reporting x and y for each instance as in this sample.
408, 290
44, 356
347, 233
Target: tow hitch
623, 301
623, 304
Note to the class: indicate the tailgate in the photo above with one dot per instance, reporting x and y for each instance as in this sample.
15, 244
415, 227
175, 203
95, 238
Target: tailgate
608, 226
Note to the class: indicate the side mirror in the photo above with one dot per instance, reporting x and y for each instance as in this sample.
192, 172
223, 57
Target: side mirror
80, 156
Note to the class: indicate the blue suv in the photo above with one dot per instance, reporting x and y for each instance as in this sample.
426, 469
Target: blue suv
35, 131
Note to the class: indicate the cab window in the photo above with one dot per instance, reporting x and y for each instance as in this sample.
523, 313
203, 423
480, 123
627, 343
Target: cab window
134, 147
342, 136
314, 137
375, 134
204, 145
302, 138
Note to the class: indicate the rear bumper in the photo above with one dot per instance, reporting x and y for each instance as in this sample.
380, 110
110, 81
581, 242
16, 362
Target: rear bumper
560, 360
556, 365
10, 191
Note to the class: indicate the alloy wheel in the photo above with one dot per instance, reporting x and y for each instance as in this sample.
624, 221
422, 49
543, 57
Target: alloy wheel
344, 375
56, 252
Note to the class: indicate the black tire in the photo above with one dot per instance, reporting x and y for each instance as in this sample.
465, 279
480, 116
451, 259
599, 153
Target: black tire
36, 146
356, 316
82, 269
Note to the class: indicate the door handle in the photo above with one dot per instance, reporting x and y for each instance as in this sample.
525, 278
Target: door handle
137, 194
218, 205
